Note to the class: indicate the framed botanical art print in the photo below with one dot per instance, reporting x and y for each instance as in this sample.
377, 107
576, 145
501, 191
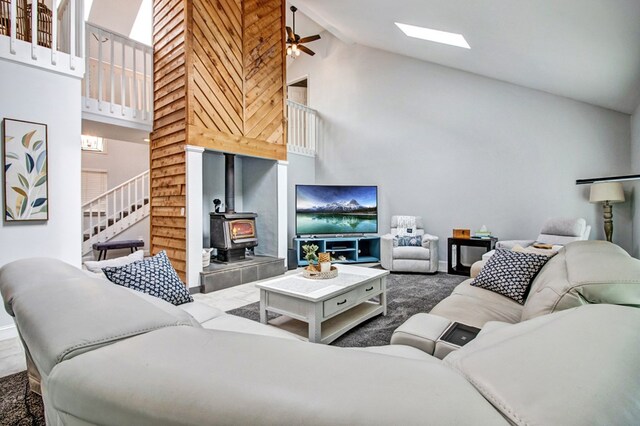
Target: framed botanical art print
26, 186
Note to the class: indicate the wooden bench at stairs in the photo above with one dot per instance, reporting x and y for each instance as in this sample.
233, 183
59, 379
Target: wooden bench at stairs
103, 248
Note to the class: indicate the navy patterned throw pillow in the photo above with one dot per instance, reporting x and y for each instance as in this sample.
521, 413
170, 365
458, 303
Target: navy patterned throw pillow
510, 273
154, 276
407, 241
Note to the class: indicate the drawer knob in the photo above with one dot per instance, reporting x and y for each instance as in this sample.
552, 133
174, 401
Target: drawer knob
343, 302
369, 289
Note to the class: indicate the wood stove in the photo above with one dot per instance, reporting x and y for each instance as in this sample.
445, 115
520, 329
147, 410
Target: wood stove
232, 233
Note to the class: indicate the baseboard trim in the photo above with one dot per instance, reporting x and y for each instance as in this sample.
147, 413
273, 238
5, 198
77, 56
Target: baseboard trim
8, 332
442, 266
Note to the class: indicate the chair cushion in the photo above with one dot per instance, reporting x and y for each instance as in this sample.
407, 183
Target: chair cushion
414, 253
96, 266
509, 273
407, 241
567, 227
475, 306
154, 276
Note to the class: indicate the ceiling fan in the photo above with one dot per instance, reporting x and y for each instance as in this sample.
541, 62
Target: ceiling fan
295, 43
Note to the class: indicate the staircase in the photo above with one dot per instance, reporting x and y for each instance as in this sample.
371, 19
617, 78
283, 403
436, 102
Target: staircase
116, 210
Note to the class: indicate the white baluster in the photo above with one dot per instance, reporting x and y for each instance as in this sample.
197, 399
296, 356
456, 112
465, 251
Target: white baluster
14, 14
135, 83
122, 79
87, 74
111, 77
34, 29
144, 85
54, 31
90, 220
100, 71
72, 34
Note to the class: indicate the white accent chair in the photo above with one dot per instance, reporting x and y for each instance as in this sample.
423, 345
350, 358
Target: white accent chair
556, 231
409, 259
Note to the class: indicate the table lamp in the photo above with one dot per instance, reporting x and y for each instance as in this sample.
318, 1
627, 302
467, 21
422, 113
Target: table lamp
607, 193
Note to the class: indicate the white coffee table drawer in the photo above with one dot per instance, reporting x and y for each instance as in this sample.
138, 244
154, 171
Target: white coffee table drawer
338, 303
369, 288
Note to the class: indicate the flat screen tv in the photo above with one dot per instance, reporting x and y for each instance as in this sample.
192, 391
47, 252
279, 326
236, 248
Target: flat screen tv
333, 209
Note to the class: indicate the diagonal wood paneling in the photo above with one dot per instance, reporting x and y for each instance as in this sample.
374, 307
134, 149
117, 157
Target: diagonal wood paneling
264, 64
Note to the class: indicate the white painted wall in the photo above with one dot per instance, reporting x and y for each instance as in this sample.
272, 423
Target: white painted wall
302, 171
459, 149
635, 186
260, 195
45, 97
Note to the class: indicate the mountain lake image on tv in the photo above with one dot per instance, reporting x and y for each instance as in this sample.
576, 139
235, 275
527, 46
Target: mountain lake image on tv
325, 209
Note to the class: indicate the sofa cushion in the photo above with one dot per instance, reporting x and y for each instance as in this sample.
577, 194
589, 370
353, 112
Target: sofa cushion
509, 273
415, 253
199, 311
60, 312
475, 306
400, 351
226, 322
154, 276
210, 376
584, 272
576, 367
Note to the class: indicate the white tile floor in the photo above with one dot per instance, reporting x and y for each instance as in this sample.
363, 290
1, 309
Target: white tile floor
12, 353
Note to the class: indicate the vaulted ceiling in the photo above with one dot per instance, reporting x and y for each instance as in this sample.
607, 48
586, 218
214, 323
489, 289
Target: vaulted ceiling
588, 50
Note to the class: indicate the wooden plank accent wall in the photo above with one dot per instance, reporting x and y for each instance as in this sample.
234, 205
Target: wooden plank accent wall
220, 84
168, 139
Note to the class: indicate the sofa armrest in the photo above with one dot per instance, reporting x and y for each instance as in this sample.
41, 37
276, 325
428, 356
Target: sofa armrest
386, 251
476, 268
509, 244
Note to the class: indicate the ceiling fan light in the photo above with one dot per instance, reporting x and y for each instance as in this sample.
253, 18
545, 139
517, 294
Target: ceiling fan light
289, 50
297, 52
294, 47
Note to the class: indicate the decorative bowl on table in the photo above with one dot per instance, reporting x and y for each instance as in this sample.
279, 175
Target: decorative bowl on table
315, 274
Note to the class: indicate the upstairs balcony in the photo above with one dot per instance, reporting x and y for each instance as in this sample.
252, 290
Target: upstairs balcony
118, 84
52, 38
117, 89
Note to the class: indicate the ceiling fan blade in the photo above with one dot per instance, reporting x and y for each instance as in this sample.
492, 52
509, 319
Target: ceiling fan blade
290, 34
309, 39
306, 50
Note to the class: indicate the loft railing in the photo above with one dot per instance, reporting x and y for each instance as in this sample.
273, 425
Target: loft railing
51, 38
303, 129
119, 78
109, 214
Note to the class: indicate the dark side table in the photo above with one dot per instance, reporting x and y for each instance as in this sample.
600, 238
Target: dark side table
459, 269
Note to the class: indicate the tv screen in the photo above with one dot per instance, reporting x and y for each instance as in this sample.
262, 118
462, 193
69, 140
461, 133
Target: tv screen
328, 209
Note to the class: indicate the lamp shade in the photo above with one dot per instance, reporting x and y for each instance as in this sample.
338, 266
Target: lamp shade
606, 191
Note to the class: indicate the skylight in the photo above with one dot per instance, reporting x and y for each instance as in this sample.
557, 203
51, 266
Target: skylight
444, 37
141, 30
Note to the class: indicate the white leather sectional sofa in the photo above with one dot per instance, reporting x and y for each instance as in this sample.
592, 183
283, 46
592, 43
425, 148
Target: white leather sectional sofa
108, 356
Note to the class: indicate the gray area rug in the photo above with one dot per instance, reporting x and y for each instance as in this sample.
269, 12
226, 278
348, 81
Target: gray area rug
18, 405
407, 294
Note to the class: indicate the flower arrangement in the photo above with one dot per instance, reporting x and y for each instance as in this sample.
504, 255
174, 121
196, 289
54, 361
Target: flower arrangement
310, 254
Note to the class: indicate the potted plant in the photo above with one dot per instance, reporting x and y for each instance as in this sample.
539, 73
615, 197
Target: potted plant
310, 255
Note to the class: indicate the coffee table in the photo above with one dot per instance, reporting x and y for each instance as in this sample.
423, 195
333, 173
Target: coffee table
329, 308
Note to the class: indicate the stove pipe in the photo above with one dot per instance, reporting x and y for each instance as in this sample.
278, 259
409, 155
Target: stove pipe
229, 183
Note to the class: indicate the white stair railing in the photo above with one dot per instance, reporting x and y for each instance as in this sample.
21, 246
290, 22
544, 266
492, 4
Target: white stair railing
303, 129
109, 214
119, 78
48, 35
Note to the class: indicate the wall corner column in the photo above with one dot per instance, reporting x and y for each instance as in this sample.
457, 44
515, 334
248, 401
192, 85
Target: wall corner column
193, 193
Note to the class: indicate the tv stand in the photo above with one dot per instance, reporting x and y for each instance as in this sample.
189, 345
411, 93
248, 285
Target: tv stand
344, 249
